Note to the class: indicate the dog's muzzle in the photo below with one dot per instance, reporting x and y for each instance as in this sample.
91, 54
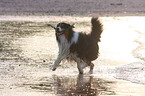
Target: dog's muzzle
59, 31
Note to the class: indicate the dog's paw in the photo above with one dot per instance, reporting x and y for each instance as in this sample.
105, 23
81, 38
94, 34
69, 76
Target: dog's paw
53, 69
81, 72
90, 72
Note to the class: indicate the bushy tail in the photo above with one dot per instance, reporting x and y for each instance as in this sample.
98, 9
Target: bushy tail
97, 28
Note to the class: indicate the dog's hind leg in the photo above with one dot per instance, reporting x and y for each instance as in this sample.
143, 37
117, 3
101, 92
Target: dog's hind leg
84, 65
88, 62
91, 68
79, 65
79, 68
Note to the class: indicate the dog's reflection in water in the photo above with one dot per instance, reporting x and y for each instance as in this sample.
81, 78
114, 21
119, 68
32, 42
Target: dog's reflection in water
82, 86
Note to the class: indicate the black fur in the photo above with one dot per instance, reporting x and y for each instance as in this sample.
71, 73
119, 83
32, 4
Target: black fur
87, 46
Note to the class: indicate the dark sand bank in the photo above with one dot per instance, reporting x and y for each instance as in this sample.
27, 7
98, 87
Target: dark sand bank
72, 7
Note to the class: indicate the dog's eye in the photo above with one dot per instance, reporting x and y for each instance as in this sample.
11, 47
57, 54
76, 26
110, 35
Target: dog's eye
57, 29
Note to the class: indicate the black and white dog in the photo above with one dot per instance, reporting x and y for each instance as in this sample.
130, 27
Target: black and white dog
80, 47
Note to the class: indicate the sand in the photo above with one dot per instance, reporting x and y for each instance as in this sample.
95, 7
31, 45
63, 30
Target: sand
28, 48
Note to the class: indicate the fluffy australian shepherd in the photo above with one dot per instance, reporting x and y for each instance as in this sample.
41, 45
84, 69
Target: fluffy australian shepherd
80, 47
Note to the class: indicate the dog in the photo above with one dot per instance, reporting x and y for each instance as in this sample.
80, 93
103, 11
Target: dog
80, 47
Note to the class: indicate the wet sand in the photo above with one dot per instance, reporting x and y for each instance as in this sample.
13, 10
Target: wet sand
28, 50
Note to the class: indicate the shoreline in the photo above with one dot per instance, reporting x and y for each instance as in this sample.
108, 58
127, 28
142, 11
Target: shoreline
99, 13
135, 71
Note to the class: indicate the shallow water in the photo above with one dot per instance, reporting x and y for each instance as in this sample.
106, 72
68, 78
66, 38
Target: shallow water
28, 50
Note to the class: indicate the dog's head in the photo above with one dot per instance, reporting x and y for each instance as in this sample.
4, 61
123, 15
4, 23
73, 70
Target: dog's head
63, 28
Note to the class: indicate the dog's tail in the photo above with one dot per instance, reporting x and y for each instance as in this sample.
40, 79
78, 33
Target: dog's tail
97, 28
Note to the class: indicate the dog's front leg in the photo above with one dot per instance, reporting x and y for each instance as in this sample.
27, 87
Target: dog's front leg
56, 63
60, 57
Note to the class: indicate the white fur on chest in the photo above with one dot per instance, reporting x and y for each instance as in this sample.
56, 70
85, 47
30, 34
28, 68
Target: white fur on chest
64, 45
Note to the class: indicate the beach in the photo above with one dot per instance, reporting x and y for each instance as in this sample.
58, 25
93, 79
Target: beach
29, 48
